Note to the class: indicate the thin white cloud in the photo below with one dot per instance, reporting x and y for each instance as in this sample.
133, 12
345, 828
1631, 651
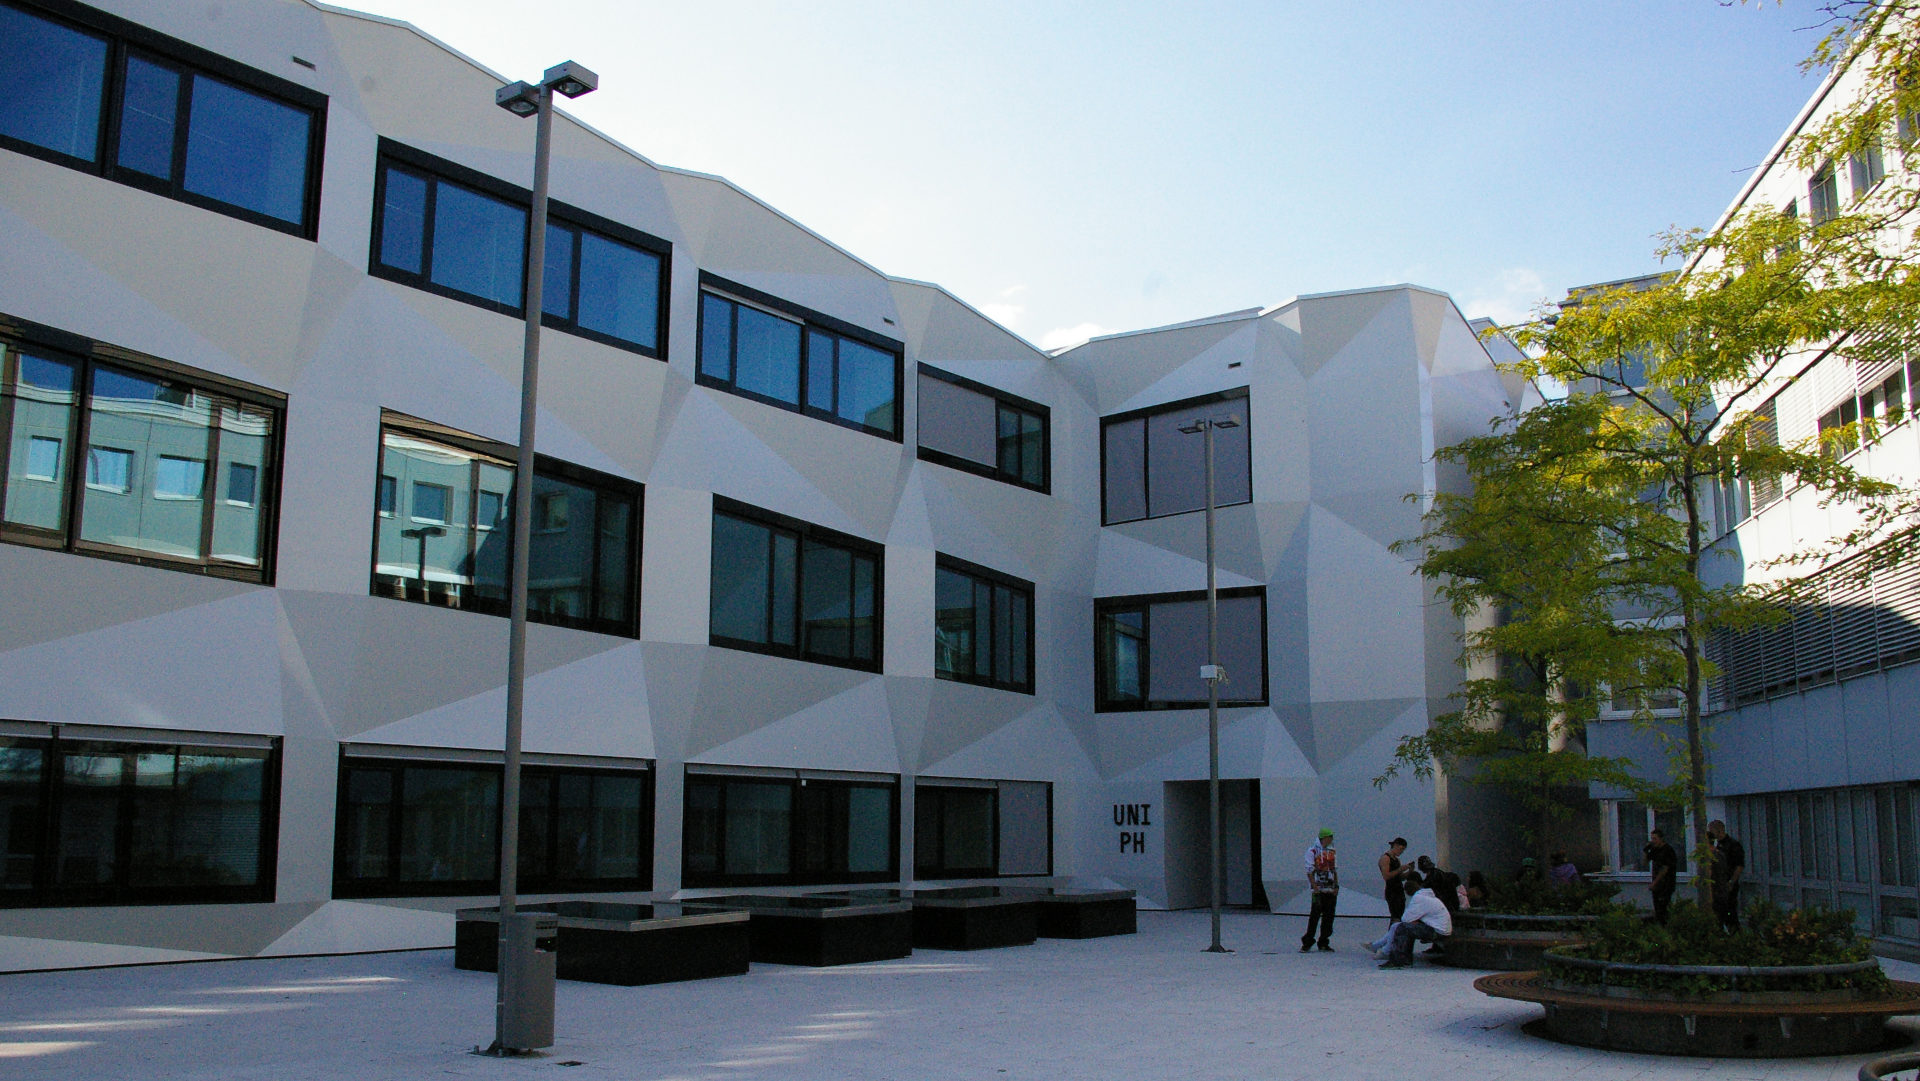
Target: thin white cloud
1062, 337
1510, 298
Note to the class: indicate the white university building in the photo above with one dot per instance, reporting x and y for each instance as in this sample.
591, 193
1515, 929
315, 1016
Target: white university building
834, 580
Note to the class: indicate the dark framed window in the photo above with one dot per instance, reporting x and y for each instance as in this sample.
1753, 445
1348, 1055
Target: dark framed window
1148, 650
451, 230
793, 589
1823, 194
137, 460
1149, 468
443, 530
409, 828
793, 829
96, 822
982, 626
761, 347
970, 426
115, 99
982, 829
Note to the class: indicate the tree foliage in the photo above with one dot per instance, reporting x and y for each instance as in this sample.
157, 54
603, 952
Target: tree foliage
1591, 523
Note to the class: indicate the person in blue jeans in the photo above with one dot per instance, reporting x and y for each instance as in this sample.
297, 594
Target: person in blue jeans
1425, 920
1323, 883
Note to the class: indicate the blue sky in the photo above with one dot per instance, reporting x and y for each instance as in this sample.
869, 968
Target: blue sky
1076, 168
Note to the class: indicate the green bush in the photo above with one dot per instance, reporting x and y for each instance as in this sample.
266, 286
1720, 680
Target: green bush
1543, 897
1768, 936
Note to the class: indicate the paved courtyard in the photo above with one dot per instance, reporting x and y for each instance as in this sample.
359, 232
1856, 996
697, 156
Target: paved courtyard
1147, 1006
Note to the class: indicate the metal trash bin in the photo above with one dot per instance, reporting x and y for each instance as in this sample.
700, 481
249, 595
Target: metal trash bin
527, 972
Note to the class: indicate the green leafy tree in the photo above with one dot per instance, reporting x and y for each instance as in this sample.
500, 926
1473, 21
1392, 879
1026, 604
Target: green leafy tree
1526, 557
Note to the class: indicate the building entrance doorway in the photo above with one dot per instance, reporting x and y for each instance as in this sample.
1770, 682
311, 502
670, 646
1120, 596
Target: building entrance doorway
1187, 854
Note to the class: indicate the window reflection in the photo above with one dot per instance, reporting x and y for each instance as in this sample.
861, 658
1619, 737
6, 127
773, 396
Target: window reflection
155, 447
784, 587
56, 82
133, 823
1148, 651
443, 536
1151, 468
982, 627
786, 830
788, 361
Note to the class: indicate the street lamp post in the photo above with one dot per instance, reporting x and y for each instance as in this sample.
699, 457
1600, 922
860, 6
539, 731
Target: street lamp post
570, 80
1214, 675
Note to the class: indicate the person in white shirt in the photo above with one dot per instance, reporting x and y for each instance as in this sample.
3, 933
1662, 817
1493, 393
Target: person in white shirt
1425, 920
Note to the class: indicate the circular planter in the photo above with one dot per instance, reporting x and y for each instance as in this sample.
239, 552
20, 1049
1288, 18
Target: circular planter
1762, 1022
1892, 1068
1501, 942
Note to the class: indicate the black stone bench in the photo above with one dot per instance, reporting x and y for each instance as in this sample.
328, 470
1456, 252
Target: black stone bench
819, 930
964, 917
1081, 913
619, 943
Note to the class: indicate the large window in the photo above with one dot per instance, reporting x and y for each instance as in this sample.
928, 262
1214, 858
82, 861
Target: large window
425, 827
1823, 194
101, 94
793, 589
982, 829
443, 531
142, 462
971, 426
1149, 468
1845, 848
450, 230
789, 828
92, 822
762, 347
1148, 651
982, 626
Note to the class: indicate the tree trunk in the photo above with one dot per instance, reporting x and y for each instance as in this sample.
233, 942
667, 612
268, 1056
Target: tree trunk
1690, 646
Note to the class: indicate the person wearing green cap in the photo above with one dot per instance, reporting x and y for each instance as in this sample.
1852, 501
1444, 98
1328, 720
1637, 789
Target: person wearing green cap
1323, 882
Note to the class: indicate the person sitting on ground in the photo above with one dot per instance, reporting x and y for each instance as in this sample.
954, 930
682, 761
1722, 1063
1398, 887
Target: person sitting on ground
1529, 871
1425, 920
1563, 871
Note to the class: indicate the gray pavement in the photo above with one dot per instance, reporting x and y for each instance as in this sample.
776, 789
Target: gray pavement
1151, 1005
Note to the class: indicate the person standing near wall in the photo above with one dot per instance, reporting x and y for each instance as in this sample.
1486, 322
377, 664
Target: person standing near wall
1393, 876
1323, 882
1664, 862
1729, 862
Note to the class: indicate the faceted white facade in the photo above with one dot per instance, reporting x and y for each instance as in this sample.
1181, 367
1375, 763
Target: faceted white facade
1347, 396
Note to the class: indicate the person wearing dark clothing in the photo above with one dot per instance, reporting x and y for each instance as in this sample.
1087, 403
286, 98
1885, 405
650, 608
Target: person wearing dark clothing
1729, 863
1394, 878
1664, 862
1323, 883
1444, 884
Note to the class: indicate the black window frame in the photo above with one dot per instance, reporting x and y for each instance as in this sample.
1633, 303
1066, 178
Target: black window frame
797, 781
86, 354
437, 170
1241, 394
396, 765
505, 455
125, 38
810, 321
1144, 602
804, 532
937, 868
990, 577
1004, 402
46, 894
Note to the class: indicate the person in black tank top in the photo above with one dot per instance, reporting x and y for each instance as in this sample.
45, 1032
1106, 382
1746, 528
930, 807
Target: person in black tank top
1393, 875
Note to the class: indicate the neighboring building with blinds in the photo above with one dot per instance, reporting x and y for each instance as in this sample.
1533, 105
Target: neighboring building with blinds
1815, 725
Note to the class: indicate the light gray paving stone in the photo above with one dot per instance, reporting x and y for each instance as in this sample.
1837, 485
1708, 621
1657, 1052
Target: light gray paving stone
1147, 1006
